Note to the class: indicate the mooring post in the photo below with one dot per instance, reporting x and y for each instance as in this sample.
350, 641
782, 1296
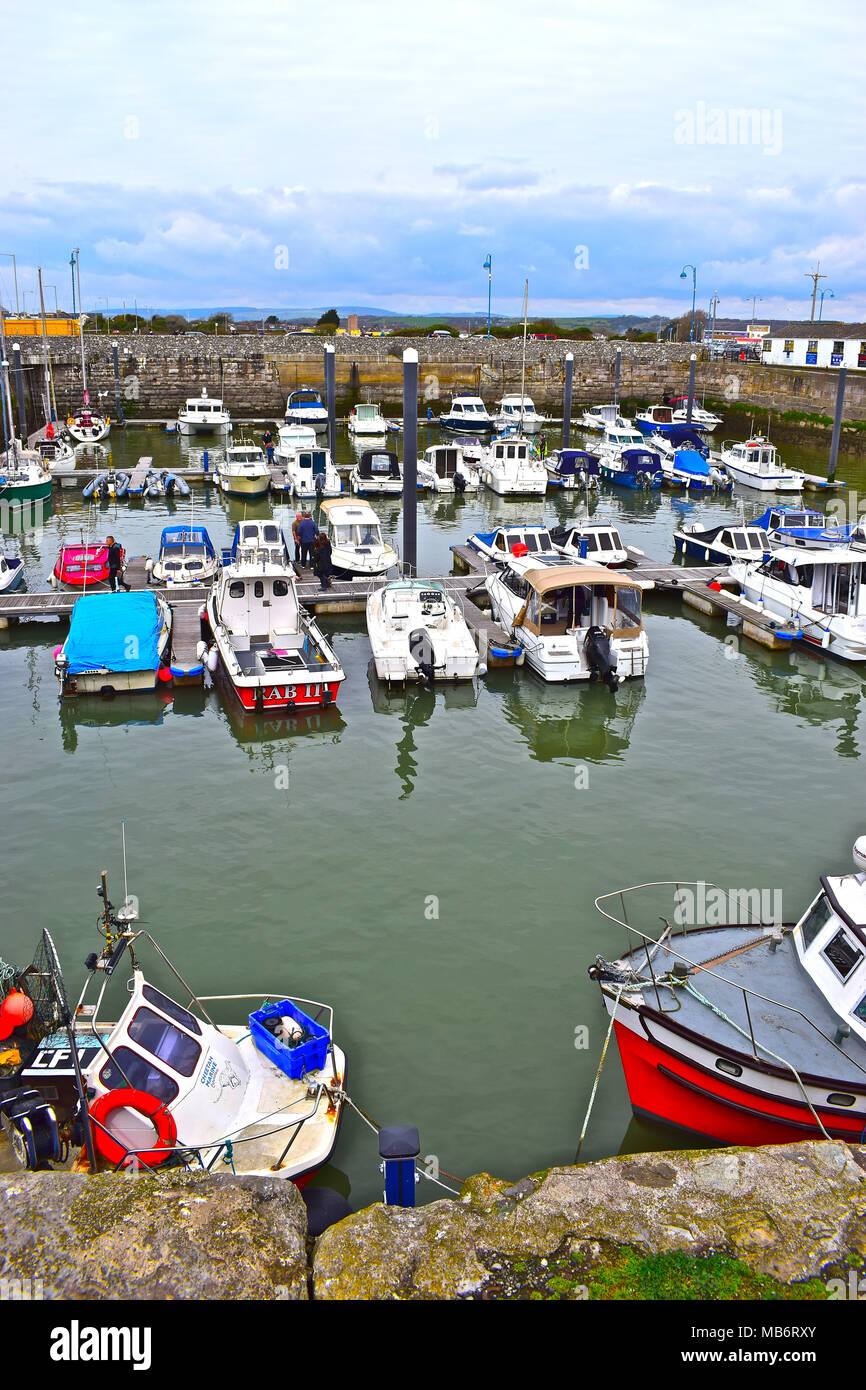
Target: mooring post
117, 402
331, 399
693, 361
399, 1146
19, 391
566, 400
837, 423
616, 376
410, 462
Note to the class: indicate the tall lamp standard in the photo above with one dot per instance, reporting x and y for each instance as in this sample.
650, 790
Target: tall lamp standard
14, 276
830, 295
488, 266
683, 276
72, 263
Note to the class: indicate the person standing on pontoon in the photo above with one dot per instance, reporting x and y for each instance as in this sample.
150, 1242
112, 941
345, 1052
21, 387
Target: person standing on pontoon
115, 565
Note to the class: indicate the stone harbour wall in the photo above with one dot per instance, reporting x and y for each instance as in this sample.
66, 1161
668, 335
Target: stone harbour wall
255, 374
777, 1222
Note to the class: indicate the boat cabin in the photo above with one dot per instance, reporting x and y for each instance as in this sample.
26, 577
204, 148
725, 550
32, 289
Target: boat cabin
831, 944
378, 465
658, 415
306, 396
515, 408
311, 463
501, 544
352, 524
258, 541
471, 410
833, 579
561, 598
245, 456
367, 413
443, 460
261, 609
595, 541
203, 407
82, 565
186, 548
623, 437
569, 463
756, 455
507, 451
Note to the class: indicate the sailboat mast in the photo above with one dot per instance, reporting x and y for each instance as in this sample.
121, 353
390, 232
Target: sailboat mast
50, 403
7, 396
85, 395
523, 364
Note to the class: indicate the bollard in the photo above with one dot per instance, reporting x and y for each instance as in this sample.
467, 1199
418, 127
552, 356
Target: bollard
205, 464
19, 390
117, 402
616, 376
692, 364
566, 400
410, 462
837, 423
399, 1146
330, 399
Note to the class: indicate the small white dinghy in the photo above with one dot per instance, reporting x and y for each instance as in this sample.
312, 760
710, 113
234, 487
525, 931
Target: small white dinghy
417, 632
358, 549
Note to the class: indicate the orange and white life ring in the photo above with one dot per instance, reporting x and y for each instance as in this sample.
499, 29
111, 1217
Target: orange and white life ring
154, 1109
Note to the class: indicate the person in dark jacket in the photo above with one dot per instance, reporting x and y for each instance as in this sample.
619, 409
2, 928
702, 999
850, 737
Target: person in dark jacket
307, 533
322, 560
115, 565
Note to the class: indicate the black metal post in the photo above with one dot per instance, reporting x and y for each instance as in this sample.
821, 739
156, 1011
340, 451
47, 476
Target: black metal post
693, 360
118, 406
19, 391
566, 400
410, 462
331, 399
837, 422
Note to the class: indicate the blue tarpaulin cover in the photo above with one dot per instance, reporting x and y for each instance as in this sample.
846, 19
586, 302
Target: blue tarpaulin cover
690, 461
113, 632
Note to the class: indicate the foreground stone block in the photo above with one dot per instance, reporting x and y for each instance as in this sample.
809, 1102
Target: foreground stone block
163, 1237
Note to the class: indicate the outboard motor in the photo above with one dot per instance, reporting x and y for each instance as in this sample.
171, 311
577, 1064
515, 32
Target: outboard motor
601, 657
320, 484
421, 652
459, 483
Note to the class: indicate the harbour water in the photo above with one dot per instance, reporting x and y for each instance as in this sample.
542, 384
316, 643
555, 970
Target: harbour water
427, 862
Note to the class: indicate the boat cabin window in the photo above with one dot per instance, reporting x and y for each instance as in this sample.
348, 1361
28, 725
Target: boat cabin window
164, 1041
380, 463
564, 608
628, 608
259, 589
237, 589
281, 588
838, 589
515, 583
168, 1006
142, 1075
819, 915
842, 954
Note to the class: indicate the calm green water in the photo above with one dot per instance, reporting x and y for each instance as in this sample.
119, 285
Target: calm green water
511, 805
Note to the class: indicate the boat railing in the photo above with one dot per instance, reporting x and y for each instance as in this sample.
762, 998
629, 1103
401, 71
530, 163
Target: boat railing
635, 936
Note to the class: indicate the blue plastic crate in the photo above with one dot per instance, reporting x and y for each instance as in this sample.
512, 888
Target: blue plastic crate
294, 1061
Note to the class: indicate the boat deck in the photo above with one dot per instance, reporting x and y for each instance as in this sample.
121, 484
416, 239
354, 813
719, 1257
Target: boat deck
790, 1033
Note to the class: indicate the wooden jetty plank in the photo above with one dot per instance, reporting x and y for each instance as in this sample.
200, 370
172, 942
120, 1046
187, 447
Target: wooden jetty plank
186, 666
139, 474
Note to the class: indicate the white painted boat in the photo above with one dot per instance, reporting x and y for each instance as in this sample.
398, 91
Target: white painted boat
274, 655
309, 471
755, 463
378, 473
358, 549
524, 537
574, 622
510, 470
518, 413
467, 415
596, 542
704, 418
186, 558
243, 471
417, 632
443, 468
11, 573
305, 407
819, 594
57, 454
259, 1096
23, 476
598, 417
203, 414
367, 418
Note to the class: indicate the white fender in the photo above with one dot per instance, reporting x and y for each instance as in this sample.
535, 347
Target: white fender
212, 661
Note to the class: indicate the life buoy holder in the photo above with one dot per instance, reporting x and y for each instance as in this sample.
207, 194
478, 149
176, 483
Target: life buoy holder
151, 1107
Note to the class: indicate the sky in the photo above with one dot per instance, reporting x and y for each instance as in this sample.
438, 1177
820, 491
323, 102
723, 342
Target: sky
277, 154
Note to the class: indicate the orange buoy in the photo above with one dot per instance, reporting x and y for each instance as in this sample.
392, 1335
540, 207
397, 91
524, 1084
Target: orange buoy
16, 1010
164, 674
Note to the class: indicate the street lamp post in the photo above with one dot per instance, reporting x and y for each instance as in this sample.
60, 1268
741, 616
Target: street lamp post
73, 260
54, 288
14, 275
830, 295
756, 299
683, 276
488, 266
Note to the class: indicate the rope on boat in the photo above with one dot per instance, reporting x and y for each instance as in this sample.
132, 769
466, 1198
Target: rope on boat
598, 1072
8, 975
375, 1128
720, 1013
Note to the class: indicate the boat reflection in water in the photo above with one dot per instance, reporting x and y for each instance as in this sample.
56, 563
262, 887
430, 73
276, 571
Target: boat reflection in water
414, 706
569, 722
28, 515
144, 707
823, 694
266, 738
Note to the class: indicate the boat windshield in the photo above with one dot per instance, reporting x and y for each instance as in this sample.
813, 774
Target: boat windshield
368, 533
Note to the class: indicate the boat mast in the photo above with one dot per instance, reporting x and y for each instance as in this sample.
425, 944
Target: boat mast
523, 365
50, 402
7, 398
85, 395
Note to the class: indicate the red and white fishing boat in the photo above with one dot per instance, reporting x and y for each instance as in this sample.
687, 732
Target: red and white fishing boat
742, 1031
272, 652
83, 566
